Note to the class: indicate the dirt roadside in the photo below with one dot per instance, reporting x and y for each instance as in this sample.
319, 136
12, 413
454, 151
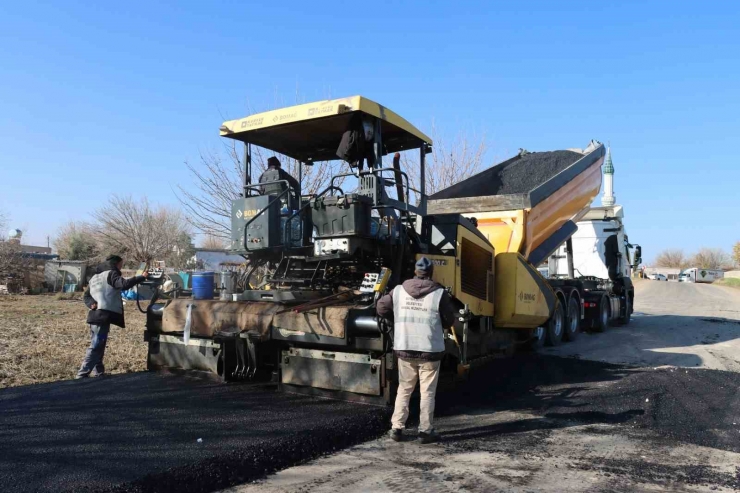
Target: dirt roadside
43, 339
649, 407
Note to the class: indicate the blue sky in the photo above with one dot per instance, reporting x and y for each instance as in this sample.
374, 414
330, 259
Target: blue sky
100, 98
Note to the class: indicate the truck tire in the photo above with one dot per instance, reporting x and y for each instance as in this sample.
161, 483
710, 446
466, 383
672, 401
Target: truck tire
536, 340
573, 320
555, 326
602, 319
625, 319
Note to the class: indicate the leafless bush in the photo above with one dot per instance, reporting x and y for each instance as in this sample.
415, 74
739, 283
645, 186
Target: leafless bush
214, 243
77, 241
673, 257
137, 230
711, 258
13, 264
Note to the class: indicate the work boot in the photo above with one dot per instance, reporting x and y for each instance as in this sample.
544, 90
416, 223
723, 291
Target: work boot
81, 376
428, 437
396, 434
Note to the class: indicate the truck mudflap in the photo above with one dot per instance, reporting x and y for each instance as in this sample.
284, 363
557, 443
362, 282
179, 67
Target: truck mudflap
328, 370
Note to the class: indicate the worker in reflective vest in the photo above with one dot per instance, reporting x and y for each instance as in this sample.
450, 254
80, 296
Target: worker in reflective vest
103, 298
421, 309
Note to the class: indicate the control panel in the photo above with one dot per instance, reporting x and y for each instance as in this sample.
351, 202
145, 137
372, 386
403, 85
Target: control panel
375, 282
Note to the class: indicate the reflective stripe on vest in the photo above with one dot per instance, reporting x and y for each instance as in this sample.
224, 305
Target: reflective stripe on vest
417, 325
106, 296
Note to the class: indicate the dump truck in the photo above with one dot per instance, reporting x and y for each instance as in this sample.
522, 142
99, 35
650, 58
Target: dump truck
304, 310
528, 208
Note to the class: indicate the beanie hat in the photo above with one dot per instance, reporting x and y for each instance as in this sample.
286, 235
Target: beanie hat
423, 267
273, 161
113, 259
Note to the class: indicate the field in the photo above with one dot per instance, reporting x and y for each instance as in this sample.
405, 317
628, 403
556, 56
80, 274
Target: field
729, 281
43, 339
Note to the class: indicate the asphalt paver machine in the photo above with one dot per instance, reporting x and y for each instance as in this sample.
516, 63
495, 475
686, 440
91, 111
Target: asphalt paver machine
317, 263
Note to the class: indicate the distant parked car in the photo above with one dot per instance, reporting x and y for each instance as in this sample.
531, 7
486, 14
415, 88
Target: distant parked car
657, 277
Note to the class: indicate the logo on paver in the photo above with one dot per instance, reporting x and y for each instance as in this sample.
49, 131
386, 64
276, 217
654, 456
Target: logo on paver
526, 297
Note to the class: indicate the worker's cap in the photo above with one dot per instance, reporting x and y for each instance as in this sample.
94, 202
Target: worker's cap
424, 267
113, 259
273, 161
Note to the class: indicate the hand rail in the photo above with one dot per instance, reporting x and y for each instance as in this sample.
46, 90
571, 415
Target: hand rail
374, 171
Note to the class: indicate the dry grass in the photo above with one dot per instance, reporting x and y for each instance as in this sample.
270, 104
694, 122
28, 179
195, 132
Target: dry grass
733, 282
43, 339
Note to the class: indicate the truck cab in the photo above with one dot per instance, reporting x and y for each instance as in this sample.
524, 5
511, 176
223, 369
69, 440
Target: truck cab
600, 247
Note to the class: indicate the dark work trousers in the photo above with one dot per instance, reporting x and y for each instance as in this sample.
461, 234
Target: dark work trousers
94, 356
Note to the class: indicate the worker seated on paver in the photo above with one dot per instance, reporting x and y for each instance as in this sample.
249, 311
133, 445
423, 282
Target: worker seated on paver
275, 172
421, 308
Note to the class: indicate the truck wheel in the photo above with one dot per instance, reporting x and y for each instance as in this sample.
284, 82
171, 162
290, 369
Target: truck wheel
536, 340
555, 326
602, 320
625, 319
573, 320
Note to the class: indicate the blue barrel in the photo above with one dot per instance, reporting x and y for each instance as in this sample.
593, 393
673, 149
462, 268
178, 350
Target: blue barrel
202, 285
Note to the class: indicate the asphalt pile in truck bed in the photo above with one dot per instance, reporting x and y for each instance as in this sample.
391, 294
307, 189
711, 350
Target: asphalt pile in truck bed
508, 178
532, 170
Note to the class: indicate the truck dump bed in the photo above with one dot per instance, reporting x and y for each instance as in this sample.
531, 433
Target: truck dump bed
529, 203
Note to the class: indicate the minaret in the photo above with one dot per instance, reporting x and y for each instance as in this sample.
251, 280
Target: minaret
608, 199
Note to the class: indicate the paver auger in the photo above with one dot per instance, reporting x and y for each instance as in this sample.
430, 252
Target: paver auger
316, 268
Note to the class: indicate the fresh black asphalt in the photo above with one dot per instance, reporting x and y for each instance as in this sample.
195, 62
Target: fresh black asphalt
139, 432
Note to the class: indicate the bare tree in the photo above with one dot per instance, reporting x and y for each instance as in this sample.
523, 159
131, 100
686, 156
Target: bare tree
672, 257
218, 179
451, 160
14, 265
214, 243
710, 258
137, 230
77, 241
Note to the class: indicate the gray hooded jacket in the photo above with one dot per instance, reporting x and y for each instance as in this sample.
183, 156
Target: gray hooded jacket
419, 287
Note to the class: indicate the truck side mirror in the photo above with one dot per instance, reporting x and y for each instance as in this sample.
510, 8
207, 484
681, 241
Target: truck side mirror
638, 255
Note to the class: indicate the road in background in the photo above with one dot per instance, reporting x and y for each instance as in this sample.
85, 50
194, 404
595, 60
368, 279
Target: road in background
680, 324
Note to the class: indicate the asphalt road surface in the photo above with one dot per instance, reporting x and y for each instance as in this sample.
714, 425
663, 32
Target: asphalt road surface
592, 416
147, 432
653, 406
